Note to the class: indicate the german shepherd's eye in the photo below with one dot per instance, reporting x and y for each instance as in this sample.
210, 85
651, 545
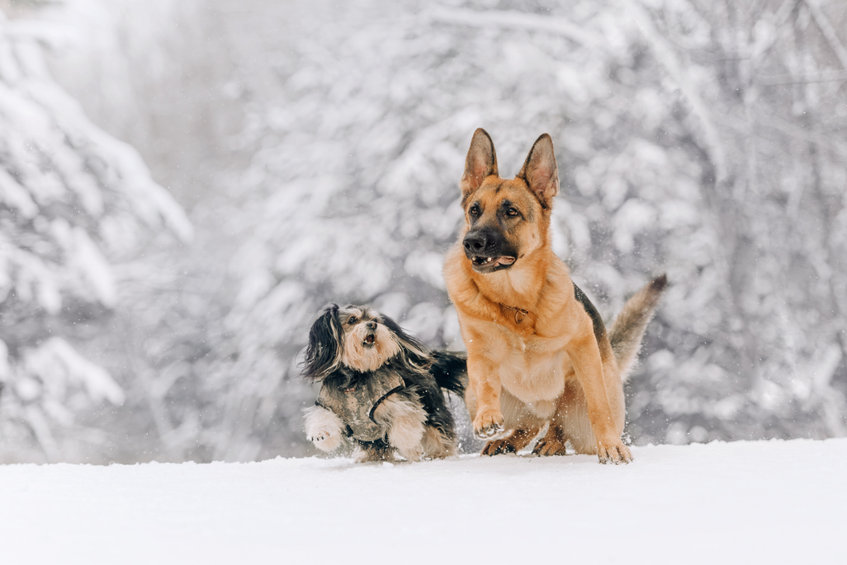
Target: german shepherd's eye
475, 210
512, 212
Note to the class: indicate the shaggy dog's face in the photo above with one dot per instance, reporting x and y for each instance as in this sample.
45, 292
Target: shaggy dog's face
366, 342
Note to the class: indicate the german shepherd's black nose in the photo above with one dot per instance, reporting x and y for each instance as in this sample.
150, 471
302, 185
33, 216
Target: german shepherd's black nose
477, 242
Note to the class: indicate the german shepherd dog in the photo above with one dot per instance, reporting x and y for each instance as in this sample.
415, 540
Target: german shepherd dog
538, 352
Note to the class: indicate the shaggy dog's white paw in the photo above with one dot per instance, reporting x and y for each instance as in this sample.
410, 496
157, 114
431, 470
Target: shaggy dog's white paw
323, 428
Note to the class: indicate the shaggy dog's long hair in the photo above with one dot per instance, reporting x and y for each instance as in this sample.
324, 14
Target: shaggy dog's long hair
380, 387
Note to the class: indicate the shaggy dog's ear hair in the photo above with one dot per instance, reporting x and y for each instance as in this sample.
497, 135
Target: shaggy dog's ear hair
323, 354
415, 353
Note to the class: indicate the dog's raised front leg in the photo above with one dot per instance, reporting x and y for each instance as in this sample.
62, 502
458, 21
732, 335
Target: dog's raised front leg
588, 366
323, 428
488, 420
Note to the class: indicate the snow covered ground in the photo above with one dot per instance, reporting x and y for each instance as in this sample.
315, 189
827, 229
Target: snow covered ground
746, 502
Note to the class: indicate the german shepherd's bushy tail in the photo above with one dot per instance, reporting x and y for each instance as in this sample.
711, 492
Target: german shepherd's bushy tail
628, 328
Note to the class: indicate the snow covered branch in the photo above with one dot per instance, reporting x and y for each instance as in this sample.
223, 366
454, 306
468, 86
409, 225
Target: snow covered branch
688, 85
72, 199
512, 19
825, 25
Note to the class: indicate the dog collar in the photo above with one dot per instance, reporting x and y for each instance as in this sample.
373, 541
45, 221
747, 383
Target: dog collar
520, 313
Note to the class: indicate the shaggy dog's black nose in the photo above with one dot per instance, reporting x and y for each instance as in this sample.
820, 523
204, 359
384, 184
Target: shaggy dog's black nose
371, 325
476, 242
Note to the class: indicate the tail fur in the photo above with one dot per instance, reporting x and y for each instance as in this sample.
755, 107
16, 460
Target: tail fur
628, 328
450, 370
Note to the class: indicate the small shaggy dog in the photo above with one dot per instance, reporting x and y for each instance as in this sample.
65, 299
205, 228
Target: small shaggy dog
381, 388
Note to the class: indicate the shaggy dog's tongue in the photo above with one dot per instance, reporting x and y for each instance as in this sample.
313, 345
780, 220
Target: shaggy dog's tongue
370, 339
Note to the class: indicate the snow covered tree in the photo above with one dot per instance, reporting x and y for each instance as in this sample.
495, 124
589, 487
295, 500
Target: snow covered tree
689, 139
763, 110
354, 187
72, 200
705, 139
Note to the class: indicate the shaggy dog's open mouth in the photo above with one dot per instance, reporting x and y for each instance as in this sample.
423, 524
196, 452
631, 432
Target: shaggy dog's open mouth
370, 340
483, 264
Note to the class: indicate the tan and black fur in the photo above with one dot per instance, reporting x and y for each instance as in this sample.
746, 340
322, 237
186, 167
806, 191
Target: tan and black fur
538, 352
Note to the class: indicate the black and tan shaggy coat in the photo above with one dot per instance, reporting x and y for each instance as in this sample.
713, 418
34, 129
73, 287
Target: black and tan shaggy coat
380, 388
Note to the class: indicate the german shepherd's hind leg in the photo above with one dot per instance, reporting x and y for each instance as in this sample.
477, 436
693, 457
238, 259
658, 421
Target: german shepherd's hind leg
522, 425
554, 442
516, 440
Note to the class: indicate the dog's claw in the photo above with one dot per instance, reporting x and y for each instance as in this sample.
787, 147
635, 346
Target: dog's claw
498, 447
488, 425
490, 431
547, 447
616, 453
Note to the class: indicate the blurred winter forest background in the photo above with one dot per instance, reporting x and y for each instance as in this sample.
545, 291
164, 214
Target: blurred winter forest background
185, 183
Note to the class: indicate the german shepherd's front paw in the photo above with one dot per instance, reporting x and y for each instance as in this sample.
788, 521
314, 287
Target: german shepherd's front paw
614, 452
488, 424
498, 447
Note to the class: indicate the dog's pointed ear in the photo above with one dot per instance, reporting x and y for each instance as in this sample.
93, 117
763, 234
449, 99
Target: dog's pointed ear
324, 350
540, 171
480, 163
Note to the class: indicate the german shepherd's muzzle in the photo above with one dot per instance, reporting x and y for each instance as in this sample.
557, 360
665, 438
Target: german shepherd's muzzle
489, 250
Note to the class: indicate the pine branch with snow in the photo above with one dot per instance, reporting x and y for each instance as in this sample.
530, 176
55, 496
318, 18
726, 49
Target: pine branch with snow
72, 199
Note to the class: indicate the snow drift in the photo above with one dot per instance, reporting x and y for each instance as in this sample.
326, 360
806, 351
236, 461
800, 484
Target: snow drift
746, 502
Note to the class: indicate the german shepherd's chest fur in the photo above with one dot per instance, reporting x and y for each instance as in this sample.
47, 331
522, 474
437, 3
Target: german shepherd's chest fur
524, 344
529, 370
